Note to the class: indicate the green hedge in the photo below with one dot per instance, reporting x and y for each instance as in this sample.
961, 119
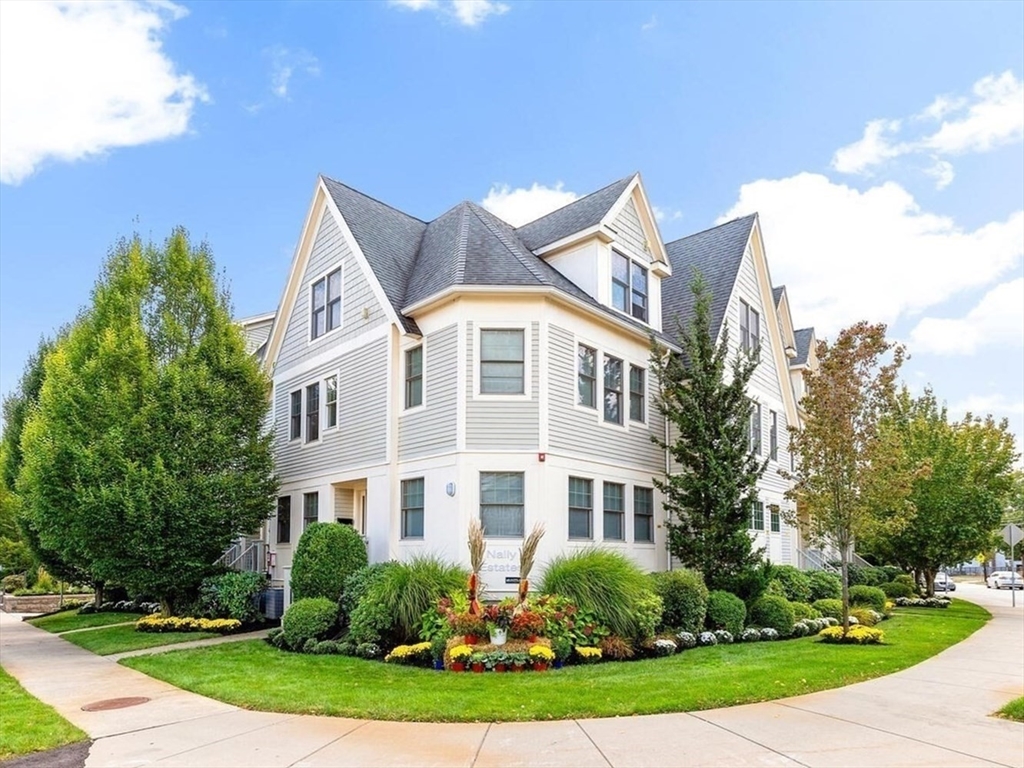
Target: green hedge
725, 611
896, 589
873, 597
795, 583
825, 586
684, 597
312, 618
775, 612
832, 607
326, 555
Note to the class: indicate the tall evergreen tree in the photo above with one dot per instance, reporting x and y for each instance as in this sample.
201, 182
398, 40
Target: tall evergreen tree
711, 489
146, 454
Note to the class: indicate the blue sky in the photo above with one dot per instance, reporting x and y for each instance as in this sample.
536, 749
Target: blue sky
881, 143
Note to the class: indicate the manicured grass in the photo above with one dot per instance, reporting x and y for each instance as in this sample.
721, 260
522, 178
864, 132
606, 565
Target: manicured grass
120, 639
1014, 710
27, 725
68, 620
255, 675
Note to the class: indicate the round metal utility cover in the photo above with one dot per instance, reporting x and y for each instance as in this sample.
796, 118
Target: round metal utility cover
105, 704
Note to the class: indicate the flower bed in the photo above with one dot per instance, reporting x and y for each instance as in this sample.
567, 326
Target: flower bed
513, 656
187, 624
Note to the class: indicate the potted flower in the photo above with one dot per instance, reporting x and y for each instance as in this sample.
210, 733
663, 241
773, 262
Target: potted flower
477, 661
469, 625
437, 646
588, 654
518, 660
541, 656
497, 661
498, 618
562, 646
460, 655
526, 625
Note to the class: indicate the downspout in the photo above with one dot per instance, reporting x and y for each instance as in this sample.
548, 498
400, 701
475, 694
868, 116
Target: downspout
668, 466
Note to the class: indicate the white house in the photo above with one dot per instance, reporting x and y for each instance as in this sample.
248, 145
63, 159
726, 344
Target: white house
426, 373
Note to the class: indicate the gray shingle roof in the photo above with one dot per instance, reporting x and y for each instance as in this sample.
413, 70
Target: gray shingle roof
777, 292
803, 345
388, 238
717, 253
575, 217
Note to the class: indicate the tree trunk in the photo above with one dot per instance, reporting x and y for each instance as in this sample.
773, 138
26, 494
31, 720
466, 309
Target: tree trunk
929, 582
97, 599
166, 607
918, 579
845, 563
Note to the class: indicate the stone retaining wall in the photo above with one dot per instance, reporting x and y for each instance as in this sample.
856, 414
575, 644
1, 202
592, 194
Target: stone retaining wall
37, 603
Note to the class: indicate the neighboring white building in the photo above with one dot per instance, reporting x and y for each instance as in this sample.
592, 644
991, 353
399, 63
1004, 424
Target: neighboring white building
428, 372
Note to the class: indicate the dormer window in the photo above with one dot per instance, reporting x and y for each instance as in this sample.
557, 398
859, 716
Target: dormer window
629, 287
326, 300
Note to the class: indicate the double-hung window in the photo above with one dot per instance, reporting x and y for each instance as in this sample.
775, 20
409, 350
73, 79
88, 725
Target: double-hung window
581, 507
757, 516
643, 514
325, 313
587, 376
637, 393
773, 436
331, 402
614, 512
613, 390
310, 509
414, 377
284, 519
295, 416
502, 361
629, 286
776, 518
313, 412
750, 328
412, 508
754, 430
502, 503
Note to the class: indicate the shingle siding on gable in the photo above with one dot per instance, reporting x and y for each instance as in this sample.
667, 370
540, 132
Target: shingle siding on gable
578, 431
361, 436
432, 430
630, 231
504, 424
329, 250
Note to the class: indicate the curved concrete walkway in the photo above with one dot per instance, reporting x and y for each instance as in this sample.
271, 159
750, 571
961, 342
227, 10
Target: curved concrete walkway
936, 714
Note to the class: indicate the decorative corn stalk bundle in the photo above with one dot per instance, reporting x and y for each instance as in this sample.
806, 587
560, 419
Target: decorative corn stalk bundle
526, 557
476, 562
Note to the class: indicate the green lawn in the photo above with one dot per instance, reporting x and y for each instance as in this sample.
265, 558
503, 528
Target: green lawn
68, 620
1014, 710
27, 725
255, 675
120, 639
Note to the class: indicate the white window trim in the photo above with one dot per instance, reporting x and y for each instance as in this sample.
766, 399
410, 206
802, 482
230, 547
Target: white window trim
596, 407
407, 347
320, 413
402, 479
631, 503
337, 404
647, 394
568, 508
309, 305
288, 410
646, 265
596, 414
528, 342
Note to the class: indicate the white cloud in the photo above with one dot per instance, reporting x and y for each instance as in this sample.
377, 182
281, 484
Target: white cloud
997, 319
521, 205
469, 13
78, 79
664, 214
284, 63
647, 26
982, 405
847, 255
942, 171
991, 117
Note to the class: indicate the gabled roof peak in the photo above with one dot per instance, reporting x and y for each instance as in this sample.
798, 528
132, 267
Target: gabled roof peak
580, 214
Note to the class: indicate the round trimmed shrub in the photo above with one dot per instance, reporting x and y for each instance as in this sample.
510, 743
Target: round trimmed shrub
906, 578
775, 612
825, 586
832, 608
804, 611
767, 633
750, 635
707, 638
724, 636
800, 629
894, 589
795, 583
686, 640
326, 555
725, 611
872, 597
864, 616
309, 619
684, 597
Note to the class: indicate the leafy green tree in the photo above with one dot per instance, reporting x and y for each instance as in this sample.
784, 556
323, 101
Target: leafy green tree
961, 500
709, 495
853, 476
146, 454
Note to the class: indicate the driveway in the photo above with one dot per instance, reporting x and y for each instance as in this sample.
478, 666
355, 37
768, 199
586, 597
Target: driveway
936, 714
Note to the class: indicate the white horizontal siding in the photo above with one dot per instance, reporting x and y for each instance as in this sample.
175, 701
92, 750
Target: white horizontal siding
630, 231
432, 430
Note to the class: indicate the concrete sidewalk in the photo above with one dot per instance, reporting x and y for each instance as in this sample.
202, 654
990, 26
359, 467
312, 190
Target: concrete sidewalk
935, 714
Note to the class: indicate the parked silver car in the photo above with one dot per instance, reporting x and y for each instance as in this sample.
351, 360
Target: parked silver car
1007, 579
944, 582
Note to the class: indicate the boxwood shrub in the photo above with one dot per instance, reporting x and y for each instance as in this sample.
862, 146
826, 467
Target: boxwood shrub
684, 597
825, 586
775, 612
829, 607
326, 555
873, 597
795, 583
804, 611
896, 589
310, 619
725, 611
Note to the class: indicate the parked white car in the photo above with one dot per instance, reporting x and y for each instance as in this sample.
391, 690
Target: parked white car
1007, 579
